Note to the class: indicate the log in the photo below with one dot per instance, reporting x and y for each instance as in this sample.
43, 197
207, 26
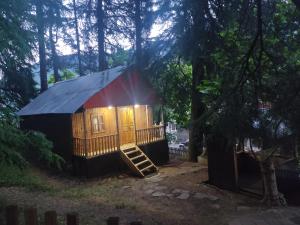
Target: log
30, 216
50, 218
12, 215
72, 219
113, 221
136, 223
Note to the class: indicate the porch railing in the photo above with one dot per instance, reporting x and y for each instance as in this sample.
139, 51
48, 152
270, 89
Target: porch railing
95, 146
144, 136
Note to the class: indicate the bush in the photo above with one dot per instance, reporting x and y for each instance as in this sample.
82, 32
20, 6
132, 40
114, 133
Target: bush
18, 147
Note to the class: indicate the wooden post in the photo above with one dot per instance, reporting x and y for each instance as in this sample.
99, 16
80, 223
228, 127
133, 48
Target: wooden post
117, 125
50, 218
30, 216
163, 122
72, 219
12, 215
147, 117
134, 125
85, 136
113, 221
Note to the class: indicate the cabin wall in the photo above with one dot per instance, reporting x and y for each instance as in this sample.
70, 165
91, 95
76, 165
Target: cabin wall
56, 127
142, 114
109, 117
77, 125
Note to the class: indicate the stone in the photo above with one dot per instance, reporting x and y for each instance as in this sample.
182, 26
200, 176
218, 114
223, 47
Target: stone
242, 208
159, 188
170, 195
158, 194
199, 195
215, 206
126, 187
149, 191
179, 191
183, 195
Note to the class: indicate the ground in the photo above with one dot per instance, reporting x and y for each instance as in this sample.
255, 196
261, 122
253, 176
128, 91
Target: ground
176, 195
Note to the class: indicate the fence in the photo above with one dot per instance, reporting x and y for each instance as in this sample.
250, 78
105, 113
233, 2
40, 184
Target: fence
50, 217
179, 153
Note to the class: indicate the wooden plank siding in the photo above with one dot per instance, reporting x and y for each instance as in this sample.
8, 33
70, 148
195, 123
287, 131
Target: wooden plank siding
135, 125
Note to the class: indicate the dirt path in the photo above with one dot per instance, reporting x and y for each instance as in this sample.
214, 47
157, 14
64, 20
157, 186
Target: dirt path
175, 196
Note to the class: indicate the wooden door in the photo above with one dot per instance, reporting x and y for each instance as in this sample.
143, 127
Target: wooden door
126, 125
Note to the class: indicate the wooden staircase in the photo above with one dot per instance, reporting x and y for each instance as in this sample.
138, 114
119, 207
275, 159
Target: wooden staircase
138, 162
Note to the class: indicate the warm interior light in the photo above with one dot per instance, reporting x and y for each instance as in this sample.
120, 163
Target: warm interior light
136, 105
110, 107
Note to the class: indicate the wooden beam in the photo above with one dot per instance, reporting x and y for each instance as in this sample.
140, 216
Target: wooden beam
117, 126
134, 122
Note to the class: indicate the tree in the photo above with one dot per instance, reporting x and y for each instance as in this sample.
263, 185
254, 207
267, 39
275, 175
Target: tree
101, 35
256, 64
40, 21
77, 38
54, 20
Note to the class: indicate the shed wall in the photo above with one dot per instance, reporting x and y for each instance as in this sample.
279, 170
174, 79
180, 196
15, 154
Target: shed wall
56, 127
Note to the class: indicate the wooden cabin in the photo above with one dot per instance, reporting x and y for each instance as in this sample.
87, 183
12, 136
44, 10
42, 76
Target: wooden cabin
102, 122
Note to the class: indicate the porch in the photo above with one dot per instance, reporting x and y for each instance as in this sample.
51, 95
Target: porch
105, 130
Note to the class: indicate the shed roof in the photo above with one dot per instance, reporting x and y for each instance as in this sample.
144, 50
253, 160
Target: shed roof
68, 96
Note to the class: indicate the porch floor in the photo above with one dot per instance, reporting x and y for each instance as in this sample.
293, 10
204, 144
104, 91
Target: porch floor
127, 146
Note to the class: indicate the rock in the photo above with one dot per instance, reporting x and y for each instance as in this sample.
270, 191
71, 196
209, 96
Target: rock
179, 191
154, 179
183, 195
215, 206
149, 191
242, 208
126, 187
199, 195
159, 188
170, 195
158, 194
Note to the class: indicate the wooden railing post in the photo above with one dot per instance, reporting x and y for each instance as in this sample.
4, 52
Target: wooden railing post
30, 216
85, 135
134, 121
12, 215
72, 219
50, 218
117, 125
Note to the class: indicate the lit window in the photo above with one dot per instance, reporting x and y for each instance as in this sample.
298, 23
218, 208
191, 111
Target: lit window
97, 123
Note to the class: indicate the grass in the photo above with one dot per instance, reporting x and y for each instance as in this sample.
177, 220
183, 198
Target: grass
13, 176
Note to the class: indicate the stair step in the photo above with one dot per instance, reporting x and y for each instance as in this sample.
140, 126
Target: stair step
146, 168
136, 157
130, 152
142, 162
129, 149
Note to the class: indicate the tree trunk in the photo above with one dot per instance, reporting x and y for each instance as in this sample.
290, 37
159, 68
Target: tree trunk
272, 197
54, 55
297, 148
101, 41
77, 39
41, 42
138, 33
196, 133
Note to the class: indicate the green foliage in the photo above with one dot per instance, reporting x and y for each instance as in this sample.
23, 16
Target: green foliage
174, 84
18, 148
11, 175
66, 75
119, 57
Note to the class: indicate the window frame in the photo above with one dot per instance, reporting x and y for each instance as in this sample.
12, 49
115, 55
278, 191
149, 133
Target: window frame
100, 123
